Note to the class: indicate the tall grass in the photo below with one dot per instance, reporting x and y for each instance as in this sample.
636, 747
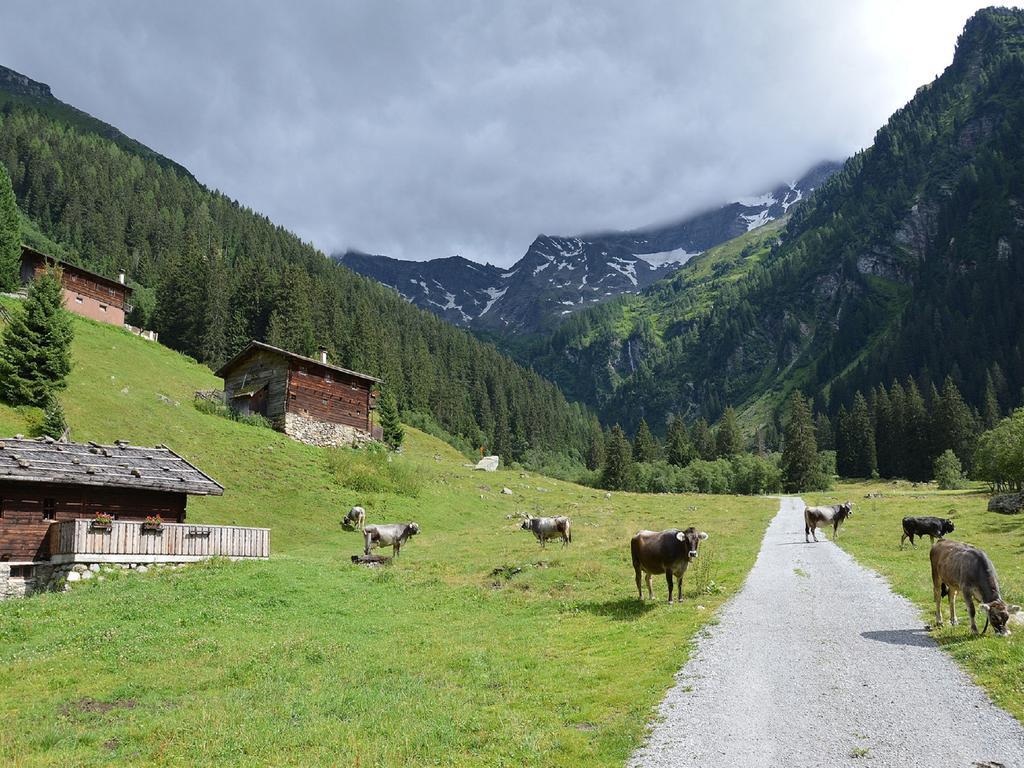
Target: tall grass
373, 469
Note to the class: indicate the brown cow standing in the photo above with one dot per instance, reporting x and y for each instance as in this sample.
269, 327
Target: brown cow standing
668, 552
959, 567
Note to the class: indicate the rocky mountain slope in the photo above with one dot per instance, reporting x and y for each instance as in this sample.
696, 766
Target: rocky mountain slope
908, 262
558, 276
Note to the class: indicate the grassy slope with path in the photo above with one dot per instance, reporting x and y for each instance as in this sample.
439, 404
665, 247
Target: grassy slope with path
306, 659
872, 536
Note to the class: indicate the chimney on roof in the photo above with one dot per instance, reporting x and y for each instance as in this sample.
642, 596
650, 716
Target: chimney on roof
120, 277
323, 355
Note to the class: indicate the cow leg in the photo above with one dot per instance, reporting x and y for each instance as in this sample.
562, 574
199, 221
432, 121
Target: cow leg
937, 593
912, 541
952, 607
903, 539
814, 531
367, 540
639, 589
397, 547
835, 530
970, 611
807, 532
650, 592
668, 578
679, 586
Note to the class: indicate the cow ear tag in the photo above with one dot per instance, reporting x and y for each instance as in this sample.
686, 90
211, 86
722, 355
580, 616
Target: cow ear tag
680, 536
703, 536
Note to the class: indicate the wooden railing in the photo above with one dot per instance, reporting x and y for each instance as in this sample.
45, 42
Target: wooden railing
126, 540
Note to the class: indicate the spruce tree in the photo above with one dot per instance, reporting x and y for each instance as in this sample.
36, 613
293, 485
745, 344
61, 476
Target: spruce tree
10, 235
644, 448
35, 351
678, 447
917, 458
389, 423
618, 461
954, 425
595, 450
728, 439
703, 440
291, 324
823, 433
800, 449
861, 436
54, 424
990, 412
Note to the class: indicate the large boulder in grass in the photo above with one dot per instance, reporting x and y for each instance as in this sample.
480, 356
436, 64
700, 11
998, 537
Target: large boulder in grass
488, 464
1007, 503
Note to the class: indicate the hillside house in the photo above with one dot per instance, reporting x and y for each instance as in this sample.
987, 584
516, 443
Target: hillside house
85, 293
52, 492
309, 400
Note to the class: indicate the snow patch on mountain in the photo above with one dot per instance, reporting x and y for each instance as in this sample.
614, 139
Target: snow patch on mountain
679, 256
495, 294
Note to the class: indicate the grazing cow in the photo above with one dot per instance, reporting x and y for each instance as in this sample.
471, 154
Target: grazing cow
355, 519
958, 567
668, 552
932, 527
815, 516
393, 535
545, 528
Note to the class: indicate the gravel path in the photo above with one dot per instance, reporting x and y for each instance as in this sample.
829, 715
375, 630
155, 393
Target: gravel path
816, 662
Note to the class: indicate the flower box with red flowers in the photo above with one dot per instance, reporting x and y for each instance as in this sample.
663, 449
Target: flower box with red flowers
102, 522
153, 523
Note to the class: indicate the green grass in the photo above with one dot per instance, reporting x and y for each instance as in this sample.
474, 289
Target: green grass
451, 656
872, 536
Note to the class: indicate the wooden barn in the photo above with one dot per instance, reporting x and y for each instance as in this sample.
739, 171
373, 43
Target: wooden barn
85, 293
309, 400
44, 481
70, 508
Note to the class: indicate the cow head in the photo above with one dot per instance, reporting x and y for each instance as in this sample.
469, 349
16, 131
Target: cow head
527, 524
845, 510
691, 539
998, 614
413, 529
947, 527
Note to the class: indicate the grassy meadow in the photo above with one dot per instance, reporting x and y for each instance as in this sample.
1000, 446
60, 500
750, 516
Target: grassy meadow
872, 536
475, 648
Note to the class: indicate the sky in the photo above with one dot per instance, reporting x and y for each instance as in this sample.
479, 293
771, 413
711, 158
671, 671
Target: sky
422, 130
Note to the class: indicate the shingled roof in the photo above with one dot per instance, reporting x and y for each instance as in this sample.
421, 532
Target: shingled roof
45, 460
255, 346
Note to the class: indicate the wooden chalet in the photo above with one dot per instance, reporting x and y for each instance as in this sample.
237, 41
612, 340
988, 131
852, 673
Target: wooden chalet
309, 400
43, 482
85, 293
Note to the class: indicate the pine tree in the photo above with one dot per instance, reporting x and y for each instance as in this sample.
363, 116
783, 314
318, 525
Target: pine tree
844, 455
823, 433
728, 439
990, 411
389, 423
644, 447
800, 449
954, 426
703, 440
618, 462
679, 447
291, 324
10, 235
916, 426
54, 424
35, 352
861, 436
595, 450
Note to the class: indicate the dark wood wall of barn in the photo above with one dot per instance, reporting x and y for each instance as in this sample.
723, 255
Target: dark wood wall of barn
27, 509
328, 395
260, 369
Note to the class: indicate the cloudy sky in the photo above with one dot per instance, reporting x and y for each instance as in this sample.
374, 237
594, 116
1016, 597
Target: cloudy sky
427, 129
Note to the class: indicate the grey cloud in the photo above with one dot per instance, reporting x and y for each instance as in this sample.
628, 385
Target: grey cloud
427, 129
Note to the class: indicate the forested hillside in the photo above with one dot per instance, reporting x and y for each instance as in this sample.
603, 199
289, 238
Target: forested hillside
908, 262
210, 274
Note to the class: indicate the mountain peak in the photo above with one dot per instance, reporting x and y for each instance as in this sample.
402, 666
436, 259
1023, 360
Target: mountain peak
22, 85
560, 275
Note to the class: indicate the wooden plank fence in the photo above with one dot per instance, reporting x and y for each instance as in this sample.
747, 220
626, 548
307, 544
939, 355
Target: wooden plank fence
129, 538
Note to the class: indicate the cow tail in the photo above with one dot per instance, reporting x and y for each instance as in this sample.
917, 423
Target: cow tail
568, 532
807, 523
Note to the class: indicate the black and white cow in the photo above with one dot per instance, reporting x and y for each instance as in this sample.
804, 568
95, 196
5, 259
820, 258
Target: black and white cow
545, 528
355, 519
392, 535
815, 516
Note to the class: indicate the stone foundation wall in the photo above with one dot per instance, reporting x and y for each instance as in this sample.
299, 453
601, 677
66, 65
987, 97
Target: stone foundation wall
322, 433
61, 578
